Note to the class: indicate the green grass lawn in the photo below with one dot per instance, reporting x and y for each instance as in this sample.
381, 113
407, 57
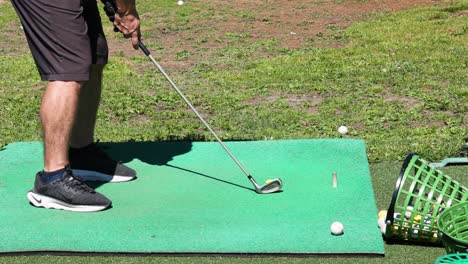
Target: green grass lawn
398, 81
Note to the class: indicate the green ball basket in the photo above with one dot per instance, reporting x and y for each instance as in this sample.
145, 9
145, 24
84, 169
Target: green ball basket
452, 259
421, 193
453, 228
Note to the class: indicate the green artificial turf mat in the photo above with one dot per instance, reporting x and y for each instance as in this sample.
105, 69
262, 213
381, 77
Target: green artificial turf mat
191, 198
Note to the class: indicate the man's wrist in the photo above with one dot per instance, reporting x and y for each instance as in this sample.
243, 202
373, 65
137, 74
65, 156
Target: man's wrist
125, 7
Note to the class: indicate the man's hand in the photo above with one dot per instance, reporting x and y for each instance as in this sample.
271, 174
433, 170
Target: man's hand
127, 20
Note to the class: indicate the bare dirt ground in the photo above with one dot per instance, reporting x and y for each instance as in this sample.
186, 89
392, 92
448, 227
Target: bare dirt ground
293, 21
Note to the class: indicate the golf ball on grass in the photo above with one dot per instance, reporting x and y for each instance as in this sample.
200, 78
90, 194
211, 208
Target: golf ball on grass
382, 214
381, 221
343, 130
382, 225
337, 228
180, 2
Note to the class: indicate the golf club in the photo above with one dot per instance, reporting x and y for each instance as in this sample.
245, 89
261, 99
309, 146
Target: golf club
270, 186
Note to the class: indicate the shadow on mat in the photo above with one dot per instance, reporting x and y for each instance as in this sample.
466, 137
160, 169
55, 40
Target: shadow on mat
154, 153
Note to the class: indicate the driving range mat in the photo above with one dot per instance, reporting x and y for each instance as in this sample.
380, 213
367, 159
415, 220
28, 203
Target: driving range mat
191, 198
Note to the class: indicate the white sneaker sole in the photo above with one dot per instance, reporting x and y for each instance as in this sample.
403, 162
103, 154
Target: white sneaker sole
51, 203
96, 176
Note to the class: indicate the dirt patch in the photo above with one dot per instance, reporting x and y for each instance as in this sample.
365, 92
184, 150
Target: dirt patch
308, 103
293, 22
404, 101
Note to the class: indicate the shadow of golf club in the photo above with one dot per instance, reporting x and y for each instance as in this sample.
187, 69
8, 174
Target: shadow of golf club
210, 177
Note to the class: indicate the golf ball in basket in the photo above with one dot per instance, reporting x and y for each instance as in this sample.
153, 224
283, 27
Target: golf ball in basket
337, 228
343, 130
180, 2
409, 210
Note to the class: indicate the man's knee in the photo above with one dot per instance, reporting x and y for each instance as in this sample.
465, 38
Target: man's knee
64, 87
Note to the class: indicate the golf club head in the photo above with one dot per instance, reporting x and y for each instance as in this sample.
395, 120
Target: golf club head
271, 186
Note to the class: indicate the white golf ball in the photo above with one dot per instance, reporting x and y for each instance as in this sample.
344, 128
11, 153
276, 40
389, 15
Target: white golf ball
343, 130
382, 225
409, 210
180, 2
337, 228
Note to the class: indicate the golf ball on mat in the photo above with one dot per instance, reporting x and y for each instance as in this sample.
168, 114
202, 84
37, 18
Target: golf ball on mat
180, 2
268, 181
343, 130
337, 228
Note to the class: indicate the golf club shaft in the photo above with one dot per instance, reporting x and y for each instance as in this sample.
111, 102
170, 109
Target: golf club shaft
110, 9
147, 53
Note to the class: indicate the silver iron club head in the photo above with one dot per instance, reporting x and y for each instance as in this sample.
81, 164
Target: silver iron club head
270, 186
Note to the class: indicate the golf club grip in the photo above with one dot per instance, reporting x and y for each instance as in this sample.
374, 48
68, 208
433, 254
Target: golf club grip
110, 9
143, 48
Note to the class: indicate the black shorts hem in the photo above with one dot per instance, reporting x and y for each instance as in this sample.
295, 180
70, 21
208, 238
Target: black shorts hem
66, 77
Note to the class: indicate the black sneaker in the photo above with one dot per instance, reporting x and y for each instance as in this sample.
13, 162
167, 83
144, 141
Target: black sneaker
93, 164
67, 193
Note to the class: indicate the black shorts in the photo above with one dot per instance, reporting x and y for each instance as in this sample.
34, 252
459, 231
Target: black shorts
65, 37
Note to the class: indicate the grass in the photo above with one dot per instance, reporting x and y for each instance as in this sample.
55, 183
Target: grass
411, 93
397, 80
399, 83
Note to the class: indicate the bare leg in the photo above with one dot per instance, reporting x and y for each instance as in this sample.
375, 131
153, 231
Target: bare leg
83, 130
58, 109
93, 164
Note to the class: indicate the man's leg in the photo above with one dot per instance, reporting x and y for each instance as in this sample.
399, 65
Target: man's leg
86, 159
56, 186
58, 109
60, 25
82, 133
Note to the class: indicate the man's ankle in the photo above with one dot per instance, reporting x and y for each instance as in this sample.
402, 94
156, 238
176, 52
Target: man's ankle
49, 176
54, 166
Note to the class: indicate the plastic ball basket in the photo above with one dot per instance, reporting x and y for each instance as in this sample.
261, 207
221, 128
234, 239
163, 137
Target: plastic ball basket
421, 193
453, 228
452, 259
